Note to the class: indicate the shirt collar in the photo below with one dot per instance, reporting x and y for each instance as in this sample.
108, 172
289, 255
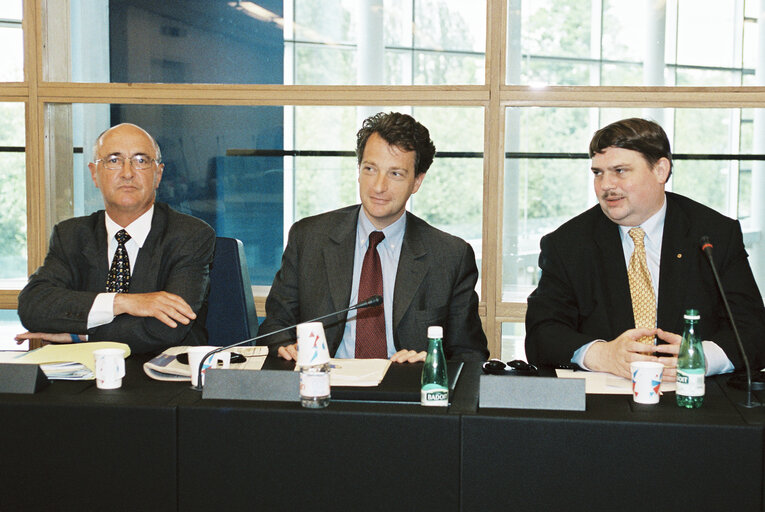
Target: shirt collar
653, 226
394, 234
138, 229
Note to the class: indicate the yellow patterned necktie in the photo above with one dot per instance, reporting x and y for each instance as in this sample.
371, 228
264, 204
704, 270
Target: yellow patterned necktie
641, 290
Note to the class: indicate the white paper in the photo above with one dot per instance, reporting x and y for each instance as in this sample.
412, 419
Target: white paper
602, 383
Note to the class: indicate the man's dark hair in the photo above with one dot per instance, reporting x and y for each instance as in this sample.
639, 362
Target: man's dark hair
402, 131
645, 137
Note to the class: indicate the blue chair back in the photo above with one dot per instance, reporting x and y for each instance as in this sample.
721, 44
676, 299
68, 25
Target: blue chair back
231, 313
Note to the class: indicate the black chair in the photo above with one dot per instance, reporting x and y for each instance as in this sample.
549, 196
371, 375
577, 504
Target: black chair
231, 313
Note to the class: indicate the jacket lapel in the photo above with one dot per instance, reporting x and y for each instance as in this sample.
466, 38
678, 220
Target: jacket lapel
148, 264
615, 283
675, 257
412, 269
96, 256
338, 253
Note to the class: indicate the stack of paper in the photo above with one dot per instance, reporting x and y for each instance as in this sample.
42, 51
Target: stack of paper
167, 367
70, 361
357, 372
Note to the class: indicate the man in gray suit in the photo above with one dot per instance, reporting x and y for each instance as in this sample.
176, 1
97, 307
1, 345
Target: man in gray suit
428, 276
155, 292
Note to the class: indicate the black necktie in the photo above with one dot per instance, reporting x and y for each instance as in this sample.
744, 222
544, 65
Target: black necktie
118, 279
370, 322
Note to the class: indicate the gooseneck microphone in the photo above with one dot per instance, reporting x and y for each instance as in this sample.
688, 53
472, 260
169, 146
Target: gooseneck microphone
706, 248
374, 300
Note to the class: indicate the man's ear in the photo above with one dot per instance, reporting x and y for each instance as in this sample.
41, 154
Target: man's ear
661, 170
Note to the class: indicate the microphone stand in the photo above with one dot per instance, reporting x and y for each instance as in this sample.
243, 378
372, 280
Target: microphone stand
372, 301
706, 247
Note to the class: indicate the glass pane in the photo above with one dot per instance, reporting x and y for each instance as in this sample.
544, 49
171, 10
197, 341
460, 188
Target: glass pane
12, 56
10, 326
513, 341
339, 42
250, 172
13, 213
717, 161
11, 10
614, 42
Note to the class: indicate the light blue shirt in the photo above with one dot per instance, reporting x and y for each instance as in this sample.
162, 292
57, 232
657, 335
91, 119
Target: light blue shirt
390, 251
717, 361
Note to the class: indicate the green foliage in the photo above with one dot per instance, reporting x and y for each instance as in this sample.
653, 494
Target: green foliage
13, 220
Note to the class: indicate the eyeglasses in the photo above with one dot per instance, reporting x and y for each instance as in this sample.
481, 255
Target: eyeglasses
138, 162
515, 367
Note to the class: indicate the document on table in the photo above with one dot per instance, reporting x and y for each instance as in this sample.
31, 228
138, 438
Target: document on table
69, 361
601, 383
167, 367
357, 372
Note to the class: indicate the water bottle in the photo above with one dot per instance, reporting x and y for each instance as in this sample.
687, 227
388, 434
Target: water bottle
690, 365
314, 386
313, 361
434, 380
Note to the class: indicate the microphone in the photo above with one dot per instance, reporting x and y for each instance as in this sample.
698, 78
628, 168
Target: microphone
706, 248
374, 300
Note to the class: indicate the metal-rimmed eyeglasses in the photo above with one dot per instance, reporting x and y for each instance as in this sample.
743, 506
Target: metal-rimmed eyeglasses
516, 366
137, 162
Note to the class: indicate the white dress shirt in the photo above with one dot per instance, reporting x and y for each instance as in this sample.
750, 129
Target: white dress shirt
102, 310
716, 360
390, 251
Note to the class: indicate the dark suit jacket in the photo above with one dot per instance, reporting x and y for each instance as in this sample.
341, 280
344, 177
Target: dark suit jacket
175, 257
583, 293
435, 285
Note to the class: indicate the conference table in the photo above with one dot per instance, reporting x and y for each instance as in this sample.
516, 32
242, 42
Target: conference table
154, 445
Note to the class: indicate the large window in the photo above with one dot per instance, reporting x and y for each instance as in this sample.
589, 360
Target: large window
256, 104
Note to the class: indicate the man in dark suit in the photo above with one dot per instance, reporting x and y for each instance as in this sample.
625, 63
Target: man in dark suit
428, 276
582, 309
154, 294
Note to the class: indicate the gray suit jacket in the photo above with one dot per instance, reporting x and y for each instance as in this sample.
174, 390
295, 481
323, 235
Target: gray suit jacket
175, 257
435, 285
584, 295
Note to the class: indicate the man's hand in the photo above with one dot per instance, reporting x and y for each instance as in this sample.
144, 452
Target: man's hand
616, 355
49, 337
288, 352
671, 350
166, 307
408, 356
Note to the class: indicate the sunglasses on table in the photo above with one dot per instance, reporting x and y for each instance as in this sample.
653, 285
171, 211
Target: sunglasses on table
514, 367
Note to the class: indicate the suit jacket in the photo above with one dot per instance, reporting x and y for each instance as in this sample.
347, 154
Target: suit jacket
435, 285
175, 257
583, 293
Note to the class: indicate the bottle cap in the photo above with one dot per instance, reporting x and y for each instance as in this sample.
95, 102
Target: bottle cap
436, 332
692, 314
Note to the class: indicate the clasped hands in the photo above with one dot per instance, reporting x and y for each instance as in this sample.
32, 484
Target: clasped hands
168, 308
289, 352
616, 355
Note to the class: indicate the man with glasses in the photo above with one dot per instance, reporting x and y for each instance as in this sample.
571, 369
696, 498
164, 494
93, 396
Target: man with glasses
136, 272
619, 277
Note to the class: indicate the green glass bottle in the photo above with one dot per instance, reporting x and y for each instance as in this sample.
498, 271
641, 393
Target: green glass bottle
690, 365
434, 381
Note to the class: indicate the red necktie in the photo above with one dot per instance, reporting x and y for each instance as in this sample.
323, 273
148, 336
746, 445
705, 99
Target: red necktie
370, 322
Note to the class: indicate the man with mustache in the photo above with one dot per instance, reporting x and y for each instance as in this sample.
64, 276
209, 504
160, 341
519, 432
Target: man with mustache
582, 310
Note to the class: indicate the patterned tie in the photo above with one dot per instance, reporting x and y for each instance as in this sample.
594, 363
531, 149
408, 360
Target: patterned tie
641, 290
370, 322
118, 279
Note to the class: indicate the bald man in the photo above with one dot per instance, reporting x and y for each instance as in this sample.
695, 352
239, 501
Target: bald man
136, 272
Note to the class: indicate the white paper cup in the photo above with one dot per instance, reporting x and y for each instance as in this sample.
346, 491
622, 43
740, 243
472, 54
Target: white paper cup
195, 357
110, 367
312, 344
646, 381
